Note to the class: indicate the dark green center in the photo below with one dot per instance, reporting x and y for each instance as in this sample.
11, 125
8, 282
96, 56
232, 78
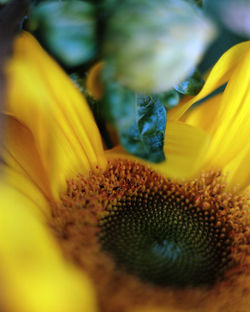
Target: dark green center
164, 241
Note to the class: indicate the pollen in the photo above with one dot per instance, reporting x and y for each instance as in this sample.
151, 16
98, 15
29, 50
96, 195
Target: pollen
138, 234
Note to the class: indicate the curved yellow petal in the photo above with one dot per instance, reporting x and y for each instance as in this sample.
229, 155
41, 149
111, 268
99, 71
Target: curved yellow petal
185, 149
226, 118
203, 116
20, 153
19, 181
44, 99
35, 277
231, 126
93, 83
220, 74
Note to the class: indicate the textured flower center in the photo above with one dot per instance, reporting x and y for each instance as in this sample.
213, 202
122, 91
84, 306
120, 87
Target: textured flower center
129, 219
165, 240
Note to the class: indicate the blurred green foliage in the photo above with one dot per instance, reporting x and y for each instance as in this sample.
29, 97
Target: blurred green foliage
140, 120
4, 1
192, 85
67, 28
170, 99
199, 3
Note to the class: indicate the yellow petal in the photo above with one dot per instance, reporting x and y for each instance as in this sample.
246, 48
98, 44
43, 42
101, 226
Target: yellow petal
34, 276
231, 126
226, 118
19, 181
238, 174
203, 116
44, 99
20, 154
220, 74
93, 82
185, 149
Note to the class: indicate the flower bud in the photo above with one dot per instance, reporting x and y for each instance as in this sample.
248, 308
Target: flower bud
152, 45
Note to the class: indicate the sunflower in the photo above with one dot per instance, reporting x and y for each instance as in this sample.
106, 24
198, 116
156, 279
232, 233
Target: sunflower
84, 229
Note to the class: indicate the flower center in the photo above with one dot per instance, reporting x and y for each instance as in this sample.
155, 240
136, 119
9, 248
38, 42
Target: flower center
128, 219
165, 240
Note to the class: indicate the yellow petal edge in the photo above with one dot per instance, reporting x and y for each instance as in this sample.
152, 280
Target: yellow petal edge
42, 97
35, 276
185, 148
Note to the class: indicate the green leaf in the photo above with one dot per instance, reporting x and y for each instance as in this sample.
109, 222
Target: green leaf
140, 121
170, 99
192, 85
67, 28
108, 5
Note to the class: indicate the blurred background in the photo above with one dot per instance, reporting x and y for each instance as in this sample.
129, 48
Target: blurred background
73, 31
154, 51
